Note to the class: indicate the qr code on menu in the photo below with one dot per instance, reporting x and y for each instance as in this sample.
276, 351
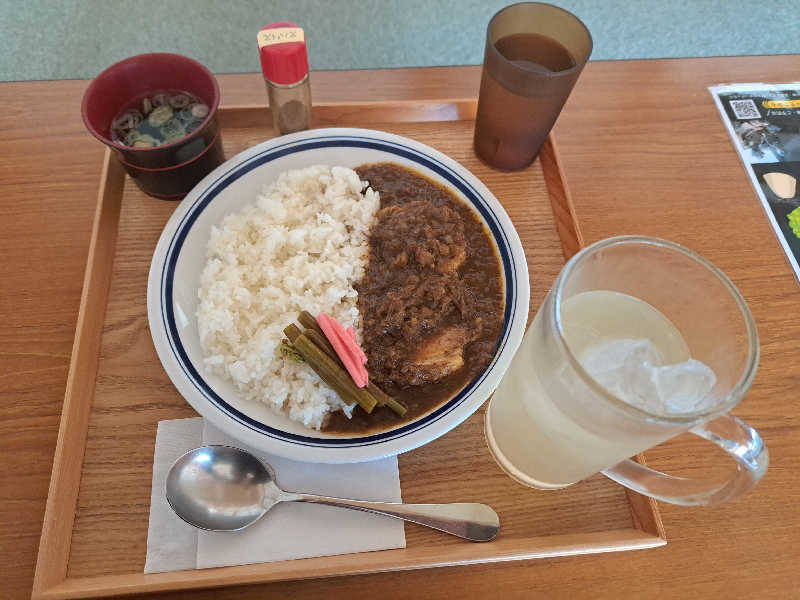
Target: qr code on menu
745, 109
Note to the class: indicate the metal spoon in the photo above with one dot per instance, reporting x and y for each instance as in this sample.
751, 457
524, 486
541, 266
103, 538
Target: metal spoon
221, 488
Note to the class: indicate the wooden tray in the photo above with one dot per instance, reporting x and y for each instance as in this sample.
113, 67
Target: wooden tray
95, 526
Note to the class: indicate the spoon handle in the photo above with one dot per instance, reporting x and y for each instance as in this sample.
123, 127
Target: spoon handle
469, 520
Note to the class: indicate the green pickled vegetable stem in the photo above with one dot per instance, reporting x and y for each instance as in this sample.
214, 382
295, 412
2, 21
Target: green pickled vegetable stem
332, 373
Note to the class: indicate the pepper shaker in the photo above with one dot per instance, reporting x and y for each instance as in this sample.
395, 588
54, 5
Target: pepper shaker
284, 63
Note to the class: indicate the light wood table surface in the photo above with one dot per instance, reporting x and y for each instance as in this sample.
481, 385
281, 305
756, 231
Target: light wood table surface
644, 151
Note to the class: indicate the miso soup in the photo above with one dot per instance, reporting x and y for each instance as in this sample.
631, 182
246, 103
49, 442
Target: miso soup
159, 118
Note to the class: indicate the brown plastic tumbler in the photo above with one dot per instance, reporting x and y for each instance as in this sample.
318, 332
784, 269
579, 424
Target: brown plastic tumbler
534, 55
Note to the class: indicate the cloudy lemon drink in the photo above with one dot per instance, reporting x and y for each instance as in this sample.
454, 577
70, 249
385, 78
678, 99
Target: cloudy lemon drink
631, 350
639, 340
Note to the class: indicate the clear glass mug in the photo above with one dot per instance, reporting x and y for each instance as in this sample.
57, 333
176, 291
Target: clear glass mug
550, 424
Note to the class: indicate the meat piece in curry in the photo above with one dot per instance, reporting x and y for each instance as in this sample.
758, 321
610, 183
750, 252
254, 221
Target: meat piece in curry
441, 354
431, 299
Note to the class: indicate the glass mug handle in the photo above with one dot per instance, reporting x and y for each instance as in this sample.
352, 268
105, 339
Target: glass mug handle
734, 436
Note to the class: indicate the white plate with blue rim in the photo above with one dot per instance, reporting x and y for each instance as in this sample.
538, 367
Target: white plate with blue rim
181, 254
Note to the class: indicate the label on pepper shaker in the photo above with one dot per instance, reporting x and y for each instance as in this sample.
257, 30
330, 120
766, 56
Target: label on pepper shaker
280, 35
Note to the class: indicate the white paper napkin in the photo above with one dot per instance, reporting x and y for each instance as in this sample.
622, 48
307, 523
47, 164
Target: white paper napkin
290, 530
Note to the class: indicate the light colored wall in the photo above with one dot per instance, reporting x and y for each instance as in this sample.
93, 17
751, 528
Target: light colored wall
76, 39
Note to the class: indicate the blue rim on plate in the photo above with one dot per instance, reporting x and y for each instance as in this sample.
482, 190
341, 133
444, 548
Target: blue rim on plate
225, 175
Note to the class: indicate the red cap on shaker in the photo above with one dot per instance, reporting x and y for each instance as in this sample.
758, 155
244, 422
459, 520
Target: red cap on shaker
282, 47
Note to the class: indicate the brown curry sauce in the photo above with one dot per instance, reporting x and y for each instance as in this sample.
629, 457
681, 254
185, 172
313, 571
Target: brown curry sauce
433, 270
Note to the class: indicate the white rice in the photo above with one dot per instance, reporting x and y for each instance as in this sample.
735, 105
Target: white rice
301, 246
